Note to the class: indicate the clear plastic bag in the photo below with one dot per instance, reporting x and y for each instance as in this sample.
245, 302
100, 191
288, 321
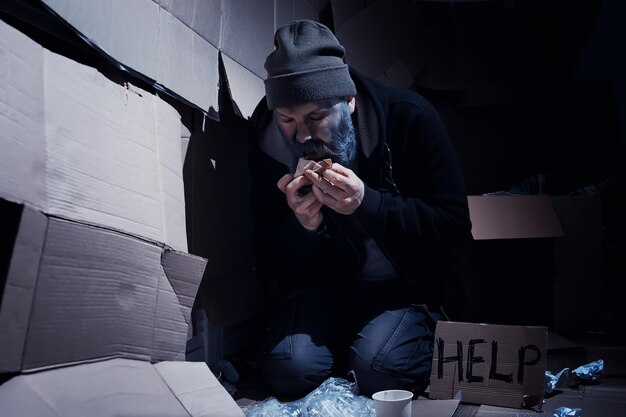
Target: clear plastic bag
336, 397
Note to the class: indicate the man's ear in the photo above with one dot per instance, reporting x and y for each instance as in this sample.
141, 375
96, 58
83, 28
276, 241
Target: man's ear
351, 103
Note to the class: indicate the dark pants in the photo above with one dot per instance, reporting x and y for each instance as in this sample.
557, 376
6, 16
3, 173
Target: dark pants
369, 328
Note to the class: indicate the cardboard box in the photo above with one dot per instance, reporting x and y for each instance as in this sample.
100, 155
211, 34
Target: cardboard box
78, 145
147, 38
509, 267
76, 292
513, 217
489, 364
579, 285
119, 387
248, 33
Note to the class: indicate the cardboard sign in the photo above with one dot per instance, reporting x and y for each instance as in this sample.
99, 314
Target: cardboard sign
490, 364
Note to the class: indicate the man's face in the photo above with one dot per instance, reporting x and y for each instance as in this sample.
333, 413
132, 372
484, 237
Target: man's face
318, 130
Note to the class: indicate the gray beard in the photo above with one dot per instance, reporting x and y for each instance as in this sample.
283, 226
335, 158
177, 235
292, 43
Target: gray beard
341, 149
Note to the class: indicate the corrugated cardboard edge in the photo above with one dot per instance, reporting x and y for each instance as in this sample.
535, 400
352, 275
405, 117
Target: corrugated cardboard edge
20, 288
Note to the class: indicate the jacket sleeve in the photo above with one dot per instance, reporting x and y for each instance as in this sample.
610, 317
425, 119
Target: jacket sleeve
431, 206
282, 245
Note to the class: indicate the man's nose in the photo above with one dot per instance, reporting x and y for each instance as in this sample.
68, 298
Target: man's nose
303, 133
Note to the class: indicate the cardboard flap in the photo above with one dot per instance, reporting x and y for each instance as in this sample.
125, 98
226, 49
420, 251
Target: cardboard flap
246, 88
490, 364
513, 217
197, 389
184, 272
177, 291
115, 387
18, 294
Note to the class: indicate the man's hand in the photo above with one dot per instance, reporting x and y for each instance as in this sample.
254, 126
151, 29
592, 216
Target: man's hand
337, 187
305, 207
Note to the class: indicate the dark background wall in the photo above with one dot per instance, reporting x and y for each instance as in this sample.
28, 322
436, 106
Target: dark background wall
527, 88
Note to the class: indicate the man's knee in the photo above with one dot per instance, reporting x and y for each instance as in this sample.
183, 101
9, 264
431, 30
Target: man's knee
299, 373
394, 351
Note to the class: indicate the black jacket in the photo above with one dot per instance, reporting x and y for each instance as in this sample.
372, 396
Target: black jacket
415, 203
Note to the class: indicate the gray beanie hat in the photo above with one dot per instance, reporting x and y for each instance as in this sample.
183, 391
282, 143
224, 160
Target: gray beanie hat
306, 65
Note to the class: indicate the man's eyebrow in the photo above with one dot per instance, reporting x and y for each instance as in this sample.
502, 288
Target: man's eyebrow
324, 106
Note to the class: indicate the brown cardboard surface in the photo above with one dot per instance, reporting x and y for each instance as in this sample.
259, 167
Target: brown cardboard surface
203, 16
187, 63
22, 121
248, 33
513, 217
433, 408
149, 39
246, 88
119, 387
495, 358
90, 149
608, 399
76, 292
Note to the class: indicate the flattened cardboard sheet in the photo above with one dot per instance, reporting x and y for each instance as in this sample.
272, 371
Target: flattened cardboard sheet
197, 389
22, 137
203, 16
78, 145
119, 387
490, 364
76, 293
248, 33
150, 40
513, 217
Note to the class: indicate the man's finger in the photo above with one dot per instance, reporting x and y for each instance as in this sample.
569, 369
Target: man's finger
338, 180
324, 197
339, 169
284, 181
297, 183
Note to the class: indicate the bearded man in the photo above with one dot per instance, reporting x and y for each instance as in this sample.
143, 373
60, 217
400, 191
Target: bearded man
359, 252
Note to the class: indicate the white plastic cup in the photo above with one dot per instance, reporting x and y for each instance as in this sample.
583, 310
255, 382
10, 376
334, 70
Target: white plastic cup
393, 403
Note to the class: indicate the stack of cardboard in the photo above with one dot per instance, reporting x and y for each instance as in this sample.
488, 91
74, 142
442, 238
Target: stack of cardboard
96, 285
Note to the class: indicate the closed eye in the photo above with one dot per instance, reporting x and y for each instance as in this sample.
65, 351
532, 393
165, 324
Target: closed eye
317, 116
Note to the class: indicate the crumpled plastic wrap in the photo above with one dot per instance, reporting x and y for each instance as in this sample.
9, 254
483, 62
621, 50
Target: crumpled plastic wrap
553, 382
567, 412
335, 397
590, 372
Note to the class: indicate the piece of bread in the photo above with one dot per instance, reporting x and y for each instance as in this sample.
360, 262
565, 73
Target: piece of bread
315, 166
